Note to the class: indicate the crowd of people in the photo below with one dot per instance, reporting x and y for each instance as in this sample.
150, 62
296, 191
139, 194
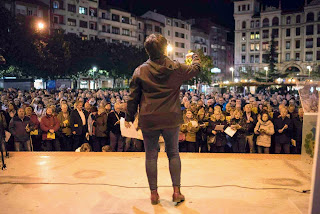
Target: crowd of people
89, 120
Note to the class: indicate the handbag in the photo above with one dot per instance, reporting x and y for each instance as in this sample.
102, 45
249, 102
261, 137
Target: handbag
182, 137
211, 139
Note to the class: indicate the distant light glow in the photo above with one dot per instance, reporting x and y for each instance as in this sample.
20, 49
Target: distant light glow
40, 25
236, 80
169, 48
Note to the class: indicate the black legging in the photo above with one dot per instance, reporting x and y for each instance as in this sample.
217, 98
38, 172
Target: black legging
151, 145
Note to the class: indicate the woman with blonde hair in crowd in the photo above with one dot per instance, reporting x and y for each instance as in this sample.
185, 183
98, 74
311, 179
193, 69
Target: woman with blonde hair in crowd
190, 129
216, 137
264, 129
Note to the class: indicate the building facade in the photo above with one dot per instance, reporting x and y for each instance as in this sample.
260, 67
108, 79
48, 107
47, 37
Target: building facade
296, 36
147, 27
34, 10
176, 31
200, 40
218, 46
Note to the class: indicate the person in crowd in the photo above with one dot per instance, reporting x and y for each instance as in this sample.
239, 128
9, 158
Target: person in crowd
92, 138
19, 127
35, 129
78, 124
65, 130
87, 107
190, 129
264, 130
238, 124
251, 121
3, 127
297, 132
101, 129
202, 133
113, 125
216, 136
50, 126
11, 112
283, 132
40, 110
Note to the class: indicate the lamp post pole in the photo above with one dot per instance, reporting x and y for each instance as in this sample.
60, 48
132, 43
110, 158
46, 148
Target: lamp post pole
266, 69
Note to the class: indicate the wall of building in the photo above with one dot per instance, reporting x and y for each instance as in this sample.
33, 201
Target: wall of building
297, 46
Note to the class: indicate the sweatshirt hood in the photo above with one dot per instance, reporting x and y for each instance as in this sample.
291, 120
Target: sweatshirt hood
163, 67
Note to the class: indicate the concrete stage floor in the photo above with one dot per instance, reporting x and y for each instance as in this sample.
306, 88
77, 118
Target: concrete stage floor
116, 183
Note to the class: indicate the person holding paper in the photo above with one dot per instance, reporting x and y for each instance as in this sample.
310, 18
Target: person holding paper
34, 133
238, 123
155, 89
190, 129
264, 129
216, 127
49, 125
65, 130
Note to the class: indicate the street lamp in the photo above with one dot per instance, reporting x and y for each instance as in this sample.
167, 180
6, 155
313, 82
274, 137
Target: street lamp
232, 70
309, 69
169, 49
266, 69
40, 26
94, 69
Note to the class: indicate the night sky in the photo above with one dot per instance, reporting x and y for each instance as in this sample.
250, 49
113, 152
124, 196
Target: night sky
220, 11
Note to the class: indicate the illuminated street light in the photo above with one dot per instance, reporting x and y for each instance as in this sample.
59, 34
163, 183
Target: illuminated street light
169, 49
94, 70
40, 26
266, 69
309, 69
232, 70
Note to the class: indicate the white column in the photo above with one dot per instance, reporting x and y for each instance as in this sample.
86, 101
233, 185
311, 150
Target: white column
314, 205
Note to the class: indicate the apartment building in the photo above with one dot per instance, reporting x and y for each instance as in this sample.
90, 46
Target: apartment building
176, 31
296, 34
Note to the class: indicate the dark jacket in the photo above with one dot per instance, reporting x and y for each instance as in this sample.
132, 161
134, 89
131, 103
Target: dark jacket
250, 126
297, 129
112, 120
17, 128
221, 139
101, 125
241, 133
3, 124
47, 123
286, 135
155, 87
76, 122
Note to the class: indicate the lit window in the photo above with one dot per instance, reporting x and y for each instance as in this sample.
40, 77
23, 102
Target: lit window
55, 5
252, 35
83, 10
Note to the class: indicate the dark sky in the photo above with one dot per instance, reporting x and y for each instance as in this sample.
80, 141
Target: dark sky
220, 11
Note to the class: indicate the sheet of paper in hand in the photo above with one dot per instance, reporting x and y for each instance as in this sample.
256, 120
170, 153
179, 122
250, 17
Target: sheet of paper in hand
219, 128
229, 131
128, 132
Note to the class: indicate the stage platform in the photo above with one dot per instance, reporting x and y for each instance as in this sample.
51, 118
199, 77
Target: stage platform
116, 183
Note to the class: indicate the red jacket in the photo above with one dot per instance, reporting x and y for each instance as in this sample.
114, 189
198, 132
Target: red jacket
47, 123
34, 120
